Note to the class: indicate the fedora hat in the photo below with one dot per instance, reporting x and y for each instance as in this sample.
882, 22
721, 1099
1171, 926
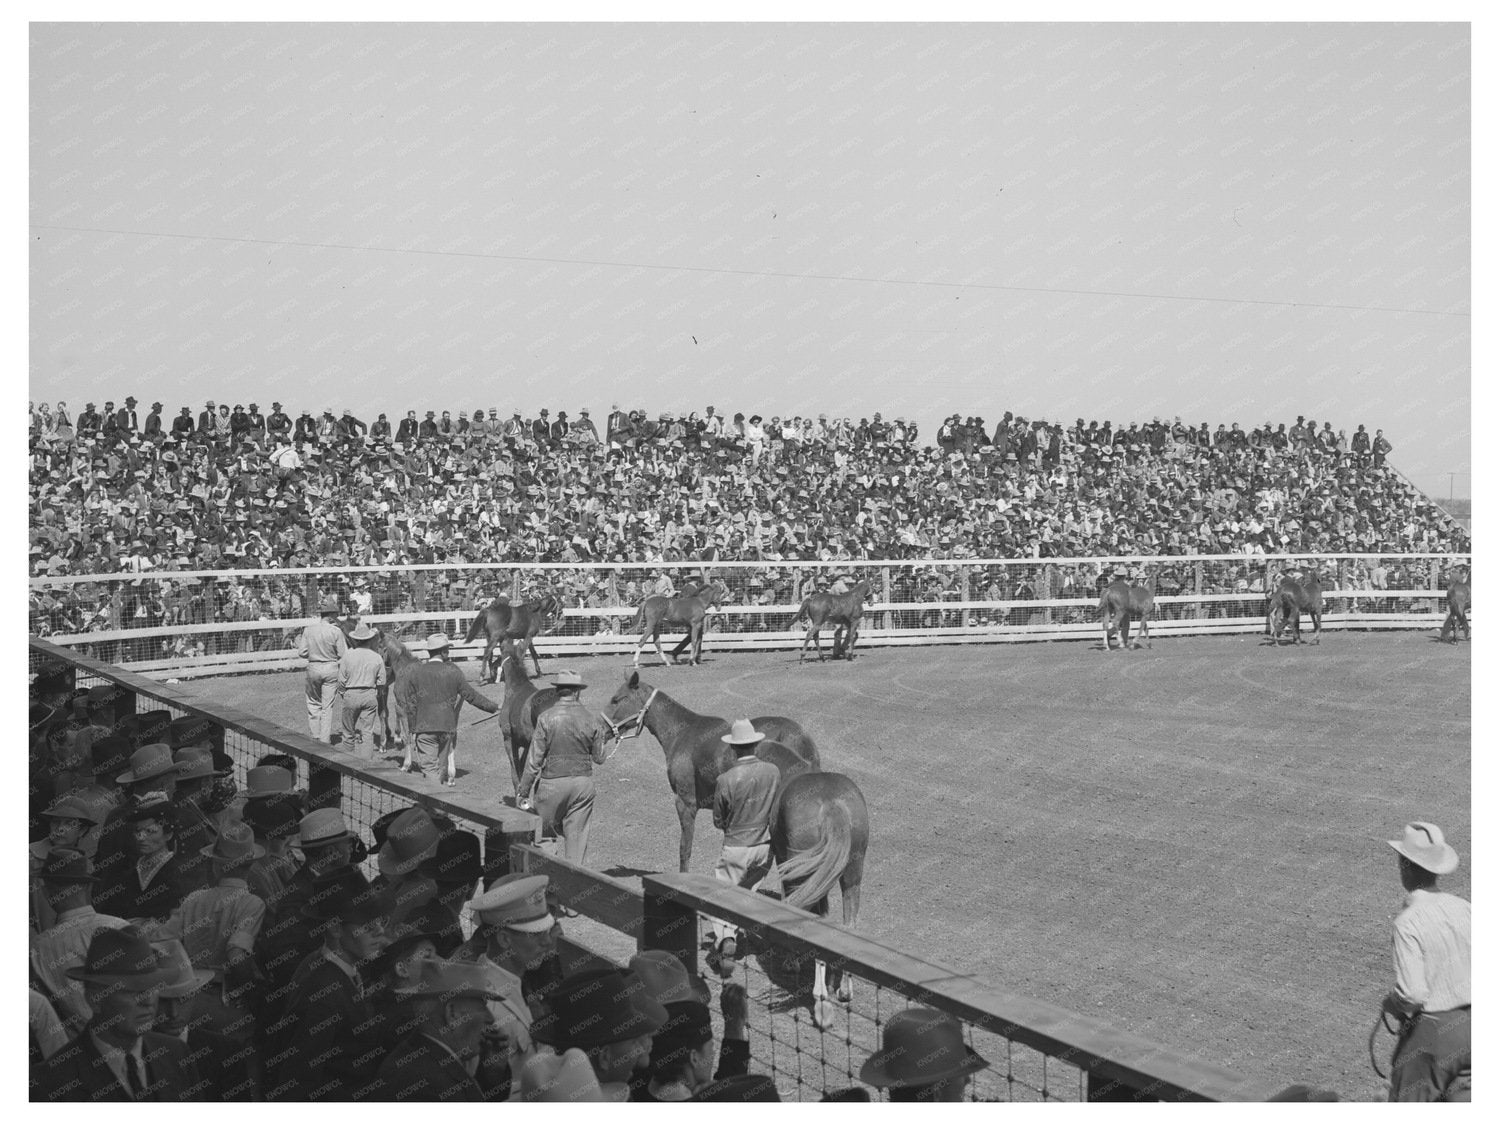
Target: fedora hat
449, 979
1423, 845
110, 754
191, 729
71, 808
437, 642
742, 733
565, 1078
597, 1008
456, 861
196, 762
323, 827
64, 865
411, 838
362, 632
184, 980
265, 781
568, 679
235, 846
122, 956
153, 726
667, 979
920, 1046
154, 760
276, 816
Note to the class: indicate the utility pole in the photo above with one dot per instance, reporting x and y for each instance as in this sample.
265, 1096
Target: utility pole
1451, 475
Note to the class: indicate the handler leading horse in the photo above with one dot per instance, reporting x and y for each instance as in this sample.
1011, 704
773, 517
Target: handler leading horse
500, 620
842, 610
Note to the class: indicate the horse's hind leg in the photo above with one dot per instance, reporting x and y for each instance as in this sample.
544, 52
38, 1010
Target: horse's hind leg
1317, 619
1146, 630
656, 636
535, 662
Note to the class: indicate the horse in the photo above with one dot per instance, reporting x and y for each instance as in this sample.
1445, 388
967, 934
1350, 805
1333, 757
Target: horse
502, 620
399, 661
695, 755
843, 610
1288, 600
820, 832
1458, 608
1119, 603
689, 609
524, 703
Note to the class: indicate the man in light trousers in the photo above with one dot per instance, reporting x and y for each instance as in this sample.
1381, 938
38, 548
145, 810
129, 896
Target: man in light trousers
744, 798
322, 645
361, 675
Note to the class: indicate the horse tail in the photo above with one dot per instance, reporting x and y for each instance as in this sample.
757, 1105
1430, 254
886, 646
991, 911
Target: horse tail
475, 627
640, 615
804, 611
820, 864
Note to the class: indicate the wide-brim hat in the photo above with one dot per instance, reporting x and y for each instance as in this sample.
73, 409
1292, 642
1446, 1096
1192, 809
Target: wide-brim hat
275, 817
185, 979
362, 632
920, 1046
154, 760
322, 827
411, 838
568, 679
597, 1008
457, 861
125, 957
196, 762
235, 845
71, 808
667, 978
1423, 844
437, 642
742, 733
266, 781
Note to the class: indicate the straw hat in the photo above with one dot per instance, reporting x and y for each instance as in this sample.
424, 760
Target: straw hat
185, 980
920, 1046
438, 642
235, 846
742, 733
322, 827
1424, 846
568, 679
362, 632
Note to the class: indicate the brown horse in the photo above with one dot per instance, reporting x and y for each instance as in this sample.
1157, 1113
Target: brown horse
399, 660
500, 620
842, 610
1119, 603
1288, 600
524, 702
688, 609
1458, 607
695, 755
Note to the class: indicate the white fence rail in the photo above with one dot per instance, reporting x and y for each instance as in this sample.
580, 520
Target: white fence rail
207, 623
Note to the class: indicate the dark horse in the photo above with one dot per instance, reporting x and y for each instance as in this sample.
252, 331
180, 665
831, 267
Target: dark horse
524, 702
502, 620
1458, 607
1288, 600
396, 657
690, 608
1118, 604
842, 610
399, 662
695, 755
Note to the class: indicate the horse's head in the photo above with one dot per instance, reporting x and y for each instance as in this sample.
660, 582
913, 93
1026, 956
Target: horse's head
715, 593
862, 588
628, 705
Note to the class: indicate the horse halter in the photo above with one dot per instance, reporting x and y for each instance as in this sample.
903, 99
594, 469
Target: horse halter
638, 719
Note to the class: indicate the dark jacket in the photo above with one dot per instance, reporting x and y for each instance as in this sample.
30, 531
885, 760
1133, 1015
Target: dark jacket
436, 690
406, 432
78, 1073
334, 1049
153, 424
420, 1069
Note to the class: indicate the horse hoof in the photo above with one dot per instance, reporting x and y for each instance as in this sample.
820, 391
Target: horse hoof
845, 992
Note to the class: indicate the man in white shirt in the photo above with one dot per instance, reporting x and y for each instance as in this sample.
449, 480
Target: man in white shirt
1432, 956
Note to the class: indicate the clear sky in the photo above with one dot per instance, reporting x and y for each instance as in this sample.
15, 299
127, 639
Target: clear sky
1228, 222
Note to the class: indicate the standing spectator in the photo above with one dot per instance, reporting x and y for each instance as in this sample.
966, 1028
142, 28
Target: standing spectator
158, 881
322, 645
567, 744
361, 675
438, 690
448, 1011
1431, 997
68, 884
117, 1057
922, 1058
153, 428
610, 1017
1380, 447
744, 797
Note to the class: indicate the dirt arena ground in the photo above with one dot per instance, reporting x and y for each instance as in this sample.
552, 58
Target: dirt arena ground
1186, 842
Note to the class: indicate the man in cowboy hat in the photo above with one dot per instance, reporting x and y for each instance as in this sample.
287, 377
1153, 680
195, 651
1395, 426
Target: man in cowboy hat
449, 1013
1432, 1057
332, 1051
923, 1058
68, 886
322, 645
410, 839
436, 691
361, 674
567, 744
611, 1017
744, 798
514, 933
117, 1056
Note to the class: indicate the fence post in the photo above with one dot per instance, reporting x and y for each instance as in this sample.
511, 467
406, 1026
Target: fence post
323, 788
498, 861
885, 580
1198, 611
669, 923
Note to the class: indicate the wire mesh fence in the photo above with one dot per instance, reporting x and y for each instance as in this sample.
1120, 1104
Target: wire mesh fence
253, 618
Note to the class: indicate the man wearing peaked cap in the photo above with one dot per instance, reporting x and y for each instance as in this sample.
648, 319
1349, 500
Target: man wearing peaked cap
440, 690
567, 744
448, 1001
1432, 993
117, 1056
514, 933
608, 1015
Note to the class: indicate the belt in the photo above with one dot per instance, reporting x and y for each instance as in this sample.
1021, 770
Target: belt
322, 661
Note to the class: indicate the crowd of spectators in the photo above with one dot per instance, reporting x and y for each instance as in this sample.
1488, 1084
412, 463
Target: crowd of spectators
235, 489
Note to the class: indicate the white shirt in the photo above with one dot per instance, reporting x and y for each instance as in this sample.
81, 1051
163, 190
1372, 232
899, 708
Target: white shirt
1431, 948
